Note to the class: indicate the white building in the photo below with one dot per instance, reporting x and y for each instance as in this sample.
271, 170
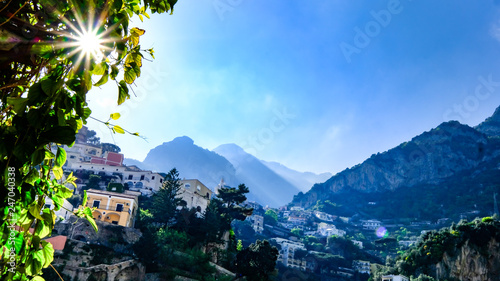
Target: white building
371, 224
395, 278
64, 213
327, 230
361, 266
287, 253
324, 216
257, 223
358, 243
145, 182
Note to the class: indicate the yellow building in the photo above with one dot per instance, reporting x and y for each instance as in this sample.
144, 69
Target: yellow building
113, 207
195, 194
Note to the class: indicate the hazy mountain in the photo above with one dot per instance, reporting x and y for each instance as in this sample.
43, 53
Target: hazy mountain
229, 162
302, 180
192, 162
451, 167
268, 187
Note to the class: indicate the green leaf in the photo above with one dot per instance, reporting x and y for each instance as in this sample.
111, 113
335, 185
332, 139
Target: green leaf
38, 156
60, 157
122, 92
59, 134
118, 129
49, 86
48, 253
84, 202
58, 202
35, 211
87, 79
37, 278
58, 172
18, 104
129, 75
100, 68
90, 218
114, 116
103, 80
43, 229
86, 112
36, 94
49, 155
117, 5
64, 192
34, 263
134, 35
114, 72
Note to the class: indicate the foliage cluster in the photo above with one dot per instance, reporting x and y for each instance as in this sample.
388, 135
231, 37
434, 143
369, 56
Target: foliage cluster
430, 251
44, 80
180, 234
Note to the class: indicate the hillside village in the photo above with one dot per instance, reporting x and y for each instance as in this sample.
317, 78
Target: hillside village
311, 242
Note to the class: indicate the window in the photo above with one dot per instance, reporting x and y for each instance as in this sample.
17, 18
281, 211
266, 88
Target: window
72, 157
114, 222
96, 204
198, 187
152, 177
187, 185
130, 177
161, 180
142, 177
119, 207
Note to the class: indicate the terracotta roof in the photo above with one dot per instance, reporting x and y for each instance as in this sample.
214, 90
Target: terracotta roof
58, 242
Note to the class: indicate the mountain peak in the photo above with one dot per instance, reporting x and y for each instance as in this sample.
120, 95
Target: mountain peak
182, 140
491, 126
230, 148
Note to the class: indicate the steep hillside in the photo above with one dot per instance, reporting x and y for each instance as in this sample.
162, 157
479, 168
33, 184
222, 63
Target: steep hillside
427, 159
449, 170
265, 185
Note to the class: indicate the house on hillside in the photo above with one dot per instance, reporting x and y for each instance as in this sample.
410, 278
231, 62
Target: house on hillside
287, 253
362, 266
371, 224
196, 194
64, 213
146, 182
257, 222
327, 230
113, 207
395, 278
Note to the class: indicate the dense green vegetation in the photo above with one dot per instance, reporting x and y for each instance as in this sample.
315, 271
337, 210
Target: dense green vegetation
45, 76
422, 259
185, 240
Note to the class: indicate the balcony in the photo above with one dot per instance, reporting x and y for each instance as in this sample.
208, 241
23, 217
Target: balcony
119, 208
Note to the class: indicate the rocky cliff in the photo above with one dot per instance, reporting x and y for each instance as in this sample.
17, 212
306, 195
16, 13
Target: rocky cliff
466, 251
470, 263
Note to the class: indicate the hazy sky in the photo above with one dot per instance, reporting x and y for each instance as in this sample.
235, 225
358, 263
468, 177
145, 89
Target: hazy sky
315, 85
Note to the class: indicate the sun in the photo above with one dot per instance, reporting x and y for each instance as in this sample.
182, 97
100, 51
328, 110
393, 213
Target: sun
89, 43
87, 39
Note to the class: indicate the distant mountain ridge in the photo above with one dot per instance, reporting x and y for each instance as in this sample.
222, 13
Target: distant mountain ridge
231, 163
432, 159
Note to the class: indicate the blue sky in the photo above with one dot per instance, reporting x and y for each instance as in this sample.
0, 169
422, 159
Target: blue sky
315, 85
